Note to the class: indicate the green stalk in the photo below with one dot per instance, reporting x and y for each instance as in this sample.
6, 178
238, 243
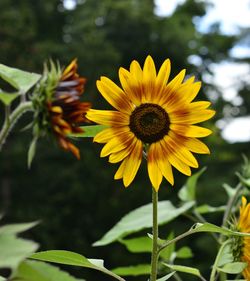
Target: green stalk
154, 257
10, 120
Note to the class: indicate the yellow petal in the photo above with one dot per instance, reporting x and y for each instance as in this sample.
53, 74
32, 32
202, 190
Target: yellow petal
108, 117
190, 130
148, 79
119, 156
133, 162
154, 172
196, 146
186, 117
114, 95
109, 133
120, 171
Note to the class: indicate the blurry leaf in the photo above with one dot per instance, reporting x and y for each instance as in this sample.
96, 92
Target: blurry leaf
41, 271
185, 269
226, 256
229, 190
19, 79
184, 253
7, 98
14, 250
243, 180
32, 151
2, 278
141, 269
71, 258
138, 245
17, 228
89, 131
233, 268
141, 218
204, 209
166, 277
167, 252
187, 192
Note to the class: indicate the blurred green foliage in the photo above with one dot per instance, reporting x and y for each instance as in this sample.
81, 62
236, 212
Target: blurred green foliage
78, 201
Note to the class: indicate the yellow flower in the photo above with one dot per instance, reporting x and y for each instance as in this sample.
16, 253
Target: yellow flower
153, 116
243, 250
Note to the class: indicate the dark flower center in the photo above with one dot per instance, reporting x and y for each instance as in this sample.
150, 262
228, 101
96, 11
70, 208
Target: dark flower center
149, 122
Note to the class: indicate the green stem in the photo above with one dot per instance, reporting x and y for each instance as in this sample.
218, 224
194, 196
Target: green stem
154, 257
10, 120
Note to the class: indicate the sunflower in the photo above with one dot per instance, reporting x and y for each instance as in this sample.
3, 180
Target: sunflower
60, 109
153, 117
241, 249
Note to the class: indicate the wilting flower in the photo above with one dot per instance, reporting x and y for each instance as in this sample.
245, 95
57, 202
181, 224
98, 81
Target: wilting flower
60, 110
241, 245
153, 116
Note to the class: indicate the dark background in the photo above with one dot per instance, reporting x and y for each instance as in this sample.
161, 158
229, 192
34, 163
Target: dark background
78, 201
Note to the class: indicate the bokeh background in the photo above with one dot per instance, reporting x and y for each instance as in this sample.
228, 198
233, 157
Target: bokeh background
78, 201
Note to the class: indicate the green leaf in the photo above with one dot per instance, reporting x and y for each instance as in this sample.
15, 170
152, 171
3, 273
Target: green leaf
184, 253
226, 255
32, 151
138, 245
204, 209
187, 192
7, 98
19, 79
41, 271
229, 190
166, 277
17, 227
141, 218
89, 131
233, 268
2, 278
185, 269
14, 250
141, 269
71, 258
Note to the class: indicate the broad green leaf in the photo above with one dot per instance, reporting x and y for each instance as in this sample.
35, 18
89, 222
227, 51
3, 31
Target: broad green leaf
17, 227
204, 209
187, 192
71, 258
19, 79
14, 250
233, 268
89, 131
141, 218
138, 245
7, 98
226, 255
141, 269
184, 253
166, 277
185, 269
2, 278
41, 271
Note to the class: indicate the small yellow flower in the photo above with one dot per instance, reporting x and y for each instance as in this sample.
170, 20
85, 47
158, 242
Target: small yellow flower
244, 246
154, 116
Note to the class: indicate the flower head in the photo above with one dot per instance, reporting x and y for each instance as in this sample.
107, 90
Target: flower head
154, 116
241, 247
60, 110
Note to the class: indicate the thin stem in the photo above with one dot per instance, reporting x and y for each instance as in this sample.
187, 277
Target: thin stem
230, 204
154, 257
10, 120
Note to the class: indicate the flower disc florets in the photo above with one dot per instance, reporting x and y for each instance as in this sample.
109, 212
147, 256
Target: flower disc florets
149, 122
